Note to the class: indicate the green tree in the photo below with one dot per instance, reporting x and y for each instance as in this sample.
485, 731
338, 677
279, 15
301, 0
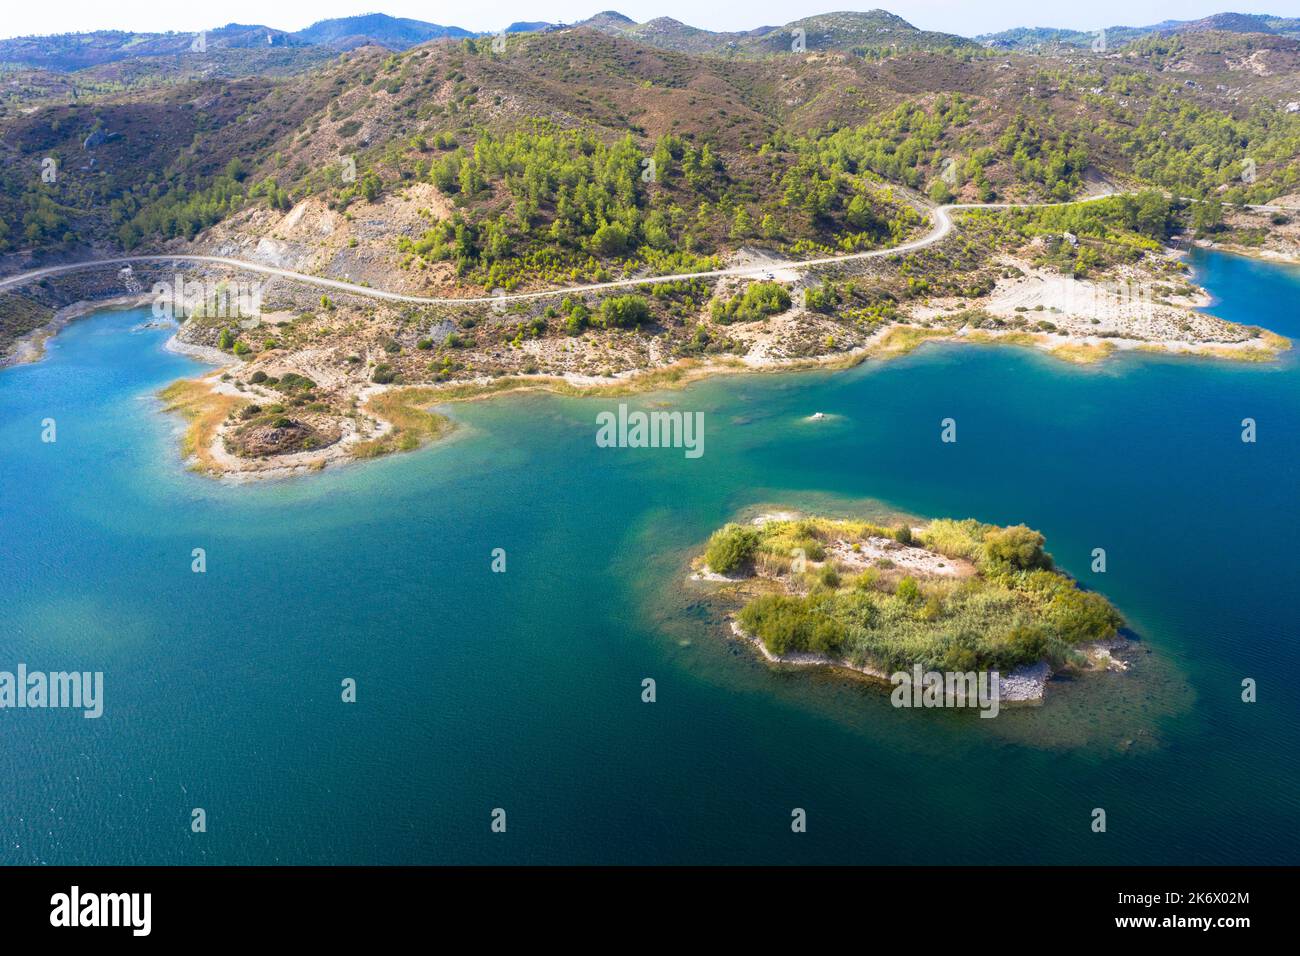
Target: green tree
610, 239
1207, 216
741, 224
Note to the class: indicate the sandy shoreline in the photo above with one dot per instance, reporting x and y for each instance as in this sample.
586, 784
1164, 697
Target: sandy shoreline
1248, 252
1111, 322
203, 353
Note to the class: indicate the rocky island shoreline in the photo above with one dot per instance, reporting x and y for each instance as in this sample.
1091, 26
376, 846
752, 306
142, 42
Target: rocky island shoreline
878, 603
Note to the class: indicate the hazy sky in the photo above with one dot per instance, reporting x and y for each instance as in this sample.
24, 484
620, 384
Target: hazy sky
966, 17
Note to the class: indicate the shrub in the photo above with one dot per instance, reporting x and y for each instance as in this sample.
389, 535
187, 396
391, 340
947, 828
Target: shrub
730, 548
867, 580
954, 539
624, 311
383, 374
1025, 644
1018, 548
1014, 610
291, 382
760, 300
786, 624
823, 298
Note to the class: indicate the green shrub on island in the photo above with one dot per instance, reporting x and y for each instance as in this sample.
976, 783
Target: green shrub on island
730, 548
1006, 607
1018, 548
788, 624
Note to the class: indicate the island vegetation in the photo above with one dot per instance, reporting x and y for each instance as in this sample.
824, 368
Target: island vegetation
951, 596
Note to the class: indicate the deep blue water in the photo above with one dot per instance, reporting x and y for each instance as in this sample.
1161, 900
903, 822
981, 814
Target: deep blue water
522, 690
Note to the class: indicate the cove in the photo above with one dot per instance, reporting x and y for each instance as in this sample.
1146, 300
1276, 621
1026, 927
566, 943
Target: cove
522, 690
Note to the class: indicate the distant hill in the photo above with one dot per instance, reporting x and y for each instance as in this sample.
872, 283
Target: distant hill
242, 49
529, 26
849, 31
76, 51
1031, 38
378, 29
607, 20
844, 31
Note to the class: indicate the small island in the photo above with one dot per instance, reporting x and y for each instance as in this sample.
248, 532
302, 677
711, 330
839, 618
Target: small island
949, 597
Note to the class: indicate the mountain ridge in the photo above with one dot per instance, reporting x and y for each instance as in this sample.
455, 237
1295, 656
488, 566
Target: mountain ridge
843, 31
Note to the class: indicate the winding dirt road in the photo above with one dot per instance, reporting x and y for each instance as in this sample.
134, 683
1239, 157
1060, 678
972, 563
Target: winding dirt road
942, 226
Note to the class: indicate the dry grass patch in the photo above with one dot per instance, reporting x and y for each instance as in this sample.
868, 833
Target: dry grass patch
205, 410
406, 409
902, 339
1006, 338
1082, 353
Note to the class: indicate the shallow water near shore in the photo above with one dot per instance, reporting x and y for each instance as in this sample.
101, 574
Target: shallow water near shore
522, 690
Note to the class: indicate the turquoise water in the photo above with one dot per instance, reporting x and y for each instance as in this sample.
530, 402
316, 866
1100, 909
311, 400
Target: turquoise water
522, 690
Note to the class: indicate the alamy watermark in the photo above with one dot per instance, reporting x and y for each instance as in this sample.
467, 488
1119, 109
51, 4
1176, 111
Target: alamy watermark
75, 690
76, 909
1100, 299
947, 689
183, 299
656, 429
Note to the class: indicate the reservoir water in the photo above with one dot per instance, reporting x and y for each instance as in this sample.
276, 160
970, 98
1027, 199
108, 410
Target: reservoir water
522, 690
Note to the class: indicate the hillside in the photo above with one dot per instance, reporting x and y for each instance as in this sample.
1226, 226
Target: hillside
842, 32
575, 163
802, 156
1027, 39
76, 51
376, 29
